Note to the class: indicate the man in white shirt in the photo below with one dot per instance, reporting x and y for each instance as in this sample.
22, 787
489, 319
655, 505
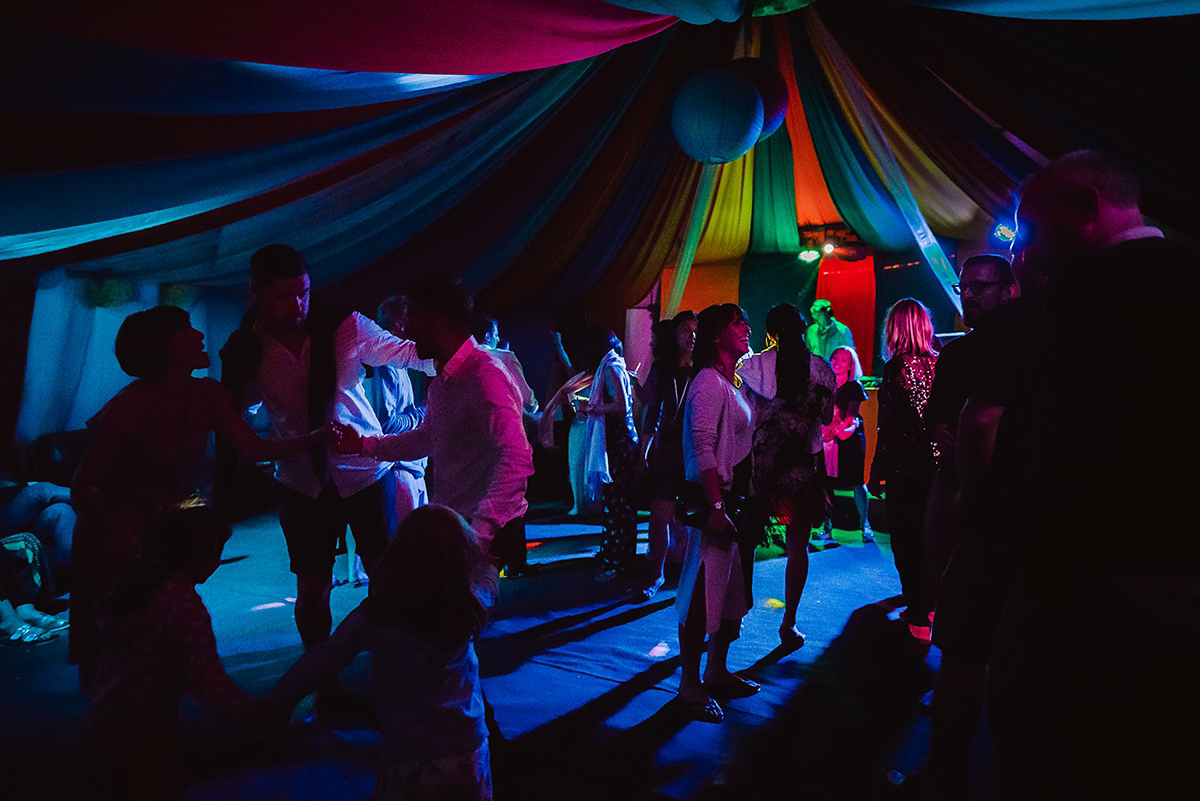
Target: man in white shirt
304, 367
479, 457
398, 412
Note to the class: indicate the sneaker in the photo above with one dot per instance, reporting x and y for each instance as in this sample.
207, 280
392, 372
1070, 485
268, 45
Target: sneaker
868, 535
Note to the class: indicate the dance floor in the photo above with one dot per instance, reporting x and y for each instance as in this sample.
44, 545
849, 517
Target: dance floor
582, 680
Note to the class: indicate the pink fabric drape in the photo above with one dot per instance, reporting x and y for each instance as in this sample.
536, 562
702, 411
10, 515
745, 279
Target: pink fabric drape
465, 37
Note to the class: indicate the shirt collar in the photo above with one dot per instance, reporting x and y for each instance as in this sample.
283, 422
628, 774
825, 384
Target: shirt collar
261, 333
453, 364
1138, 232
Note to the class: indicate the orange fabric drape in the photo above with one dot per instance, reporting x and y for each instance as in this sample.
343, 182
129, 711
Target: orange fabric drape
814, 206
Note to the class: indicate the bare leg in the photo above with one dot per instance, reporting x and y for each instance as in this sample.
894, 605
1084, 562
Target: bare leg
662, 512
795, 577
313, 616
861, 502
717, 669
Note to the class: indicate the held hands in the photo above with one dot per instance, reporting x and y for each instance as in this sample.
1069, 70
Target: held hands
718, 522
344, 438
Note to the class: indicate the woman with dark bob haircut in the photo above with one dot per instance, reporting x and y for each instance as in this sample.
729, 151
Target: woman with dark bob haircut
147, 449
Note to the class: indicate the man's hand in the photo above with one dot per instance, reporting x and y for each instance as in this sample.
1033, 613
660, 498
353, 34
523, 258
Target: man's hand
345, 439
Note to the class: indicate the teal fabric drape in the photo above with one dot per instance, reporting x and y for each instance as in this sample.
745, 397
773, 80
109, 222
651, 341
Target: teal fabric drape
897, 184
860, 196
1069, 9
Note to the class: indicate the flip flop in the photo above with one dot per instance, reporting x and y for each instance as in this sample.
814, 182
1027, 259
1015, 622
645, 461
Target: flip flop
733, 687
703, 710
48, 622
31, 635
648, 593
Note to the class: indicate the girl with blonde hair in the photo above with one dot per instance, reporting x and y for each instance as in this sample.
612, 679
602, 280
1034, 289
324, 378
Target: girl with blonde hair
905, 453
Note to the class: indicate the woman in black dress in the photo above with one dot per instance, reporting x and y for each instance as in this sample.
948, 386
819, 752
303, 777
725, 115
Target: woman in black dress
662, 435
845, 442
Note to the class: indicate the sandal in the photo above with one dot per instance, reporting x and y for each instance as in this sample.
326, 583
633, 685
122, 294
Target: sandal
31, 635
733, 687
648, 593
703, 710
47, 622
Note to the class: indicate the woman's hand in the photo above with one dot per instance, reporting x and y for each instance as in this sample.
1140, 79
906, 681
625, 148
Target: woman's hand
718, 522
344, 438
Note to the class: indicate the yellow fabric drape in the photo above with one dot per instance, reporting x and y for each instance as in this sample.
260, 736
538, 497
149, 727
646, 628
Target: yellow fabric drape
726, 232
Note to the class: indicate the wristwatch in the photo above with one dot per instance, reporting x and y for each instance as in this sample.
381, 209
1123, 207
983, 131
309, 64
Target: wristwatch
718, 506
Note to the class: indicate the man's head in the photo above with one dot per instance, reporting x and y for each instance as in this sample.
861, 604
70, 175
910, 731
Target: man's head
486, 330
1075, 204
985, 283
280, 285
439, 316
822, 312
392, 316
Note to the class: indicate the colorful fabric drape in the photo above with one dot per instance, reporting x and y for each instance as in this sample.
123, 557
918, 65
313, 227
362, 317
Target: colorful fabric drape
876, 147
169, 149
1069, 9
463, 37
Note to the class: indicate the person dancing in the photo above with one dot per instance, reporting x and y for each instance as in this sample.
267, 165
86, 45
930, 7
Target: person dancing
787, 457
146, 452
662, 435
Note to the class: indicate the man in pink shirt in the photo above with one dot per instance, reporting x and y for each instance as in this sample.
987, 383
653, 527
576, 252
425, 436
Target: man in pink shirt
479, 457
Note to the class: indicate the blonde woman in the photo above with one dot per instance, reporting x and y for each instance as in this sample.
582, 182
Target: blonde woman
845, 441
905, 453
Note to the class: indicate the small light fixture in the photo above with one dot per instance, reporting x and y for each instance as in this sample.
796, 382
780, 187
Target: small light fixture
809, 255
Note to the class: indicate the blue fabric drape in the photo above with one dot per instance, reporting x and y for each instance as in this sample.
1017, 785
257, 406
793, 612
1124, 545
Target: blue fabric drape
47, 72
394, 193
1069, 9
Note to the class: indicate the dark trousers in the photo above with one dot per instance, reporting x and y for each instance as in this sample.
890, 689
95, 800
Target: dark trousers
508, 545
906, 499
313, 526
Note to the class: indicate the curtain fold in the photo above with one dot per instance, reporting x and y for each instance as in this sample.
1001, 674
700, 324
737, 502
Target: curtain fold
1069, 9
876, 146
861, 198
814, 206
463, 37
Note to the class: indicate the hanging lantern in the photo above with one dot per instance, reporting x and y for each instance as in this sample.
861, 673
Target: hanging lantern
717, 115
771, 88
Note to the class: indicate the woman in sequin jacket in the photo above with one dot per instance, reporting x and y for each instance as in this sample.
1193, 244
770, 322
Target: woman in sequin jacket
905, 453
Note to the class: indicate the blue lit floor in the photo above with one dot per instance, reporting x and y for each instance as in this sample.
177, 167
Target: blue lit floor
581, 680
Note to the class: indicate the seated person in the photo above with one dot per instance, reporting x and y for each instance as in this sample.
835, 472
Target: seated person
20, 622
45, 511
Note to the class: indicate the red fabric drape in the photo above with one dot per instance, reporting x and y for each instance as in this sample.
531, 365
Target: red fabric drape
466, 37
850, 287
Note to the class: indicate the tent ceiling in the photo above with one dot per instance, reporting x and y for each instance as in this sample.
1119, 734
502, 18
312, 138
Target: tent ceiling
535, 158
